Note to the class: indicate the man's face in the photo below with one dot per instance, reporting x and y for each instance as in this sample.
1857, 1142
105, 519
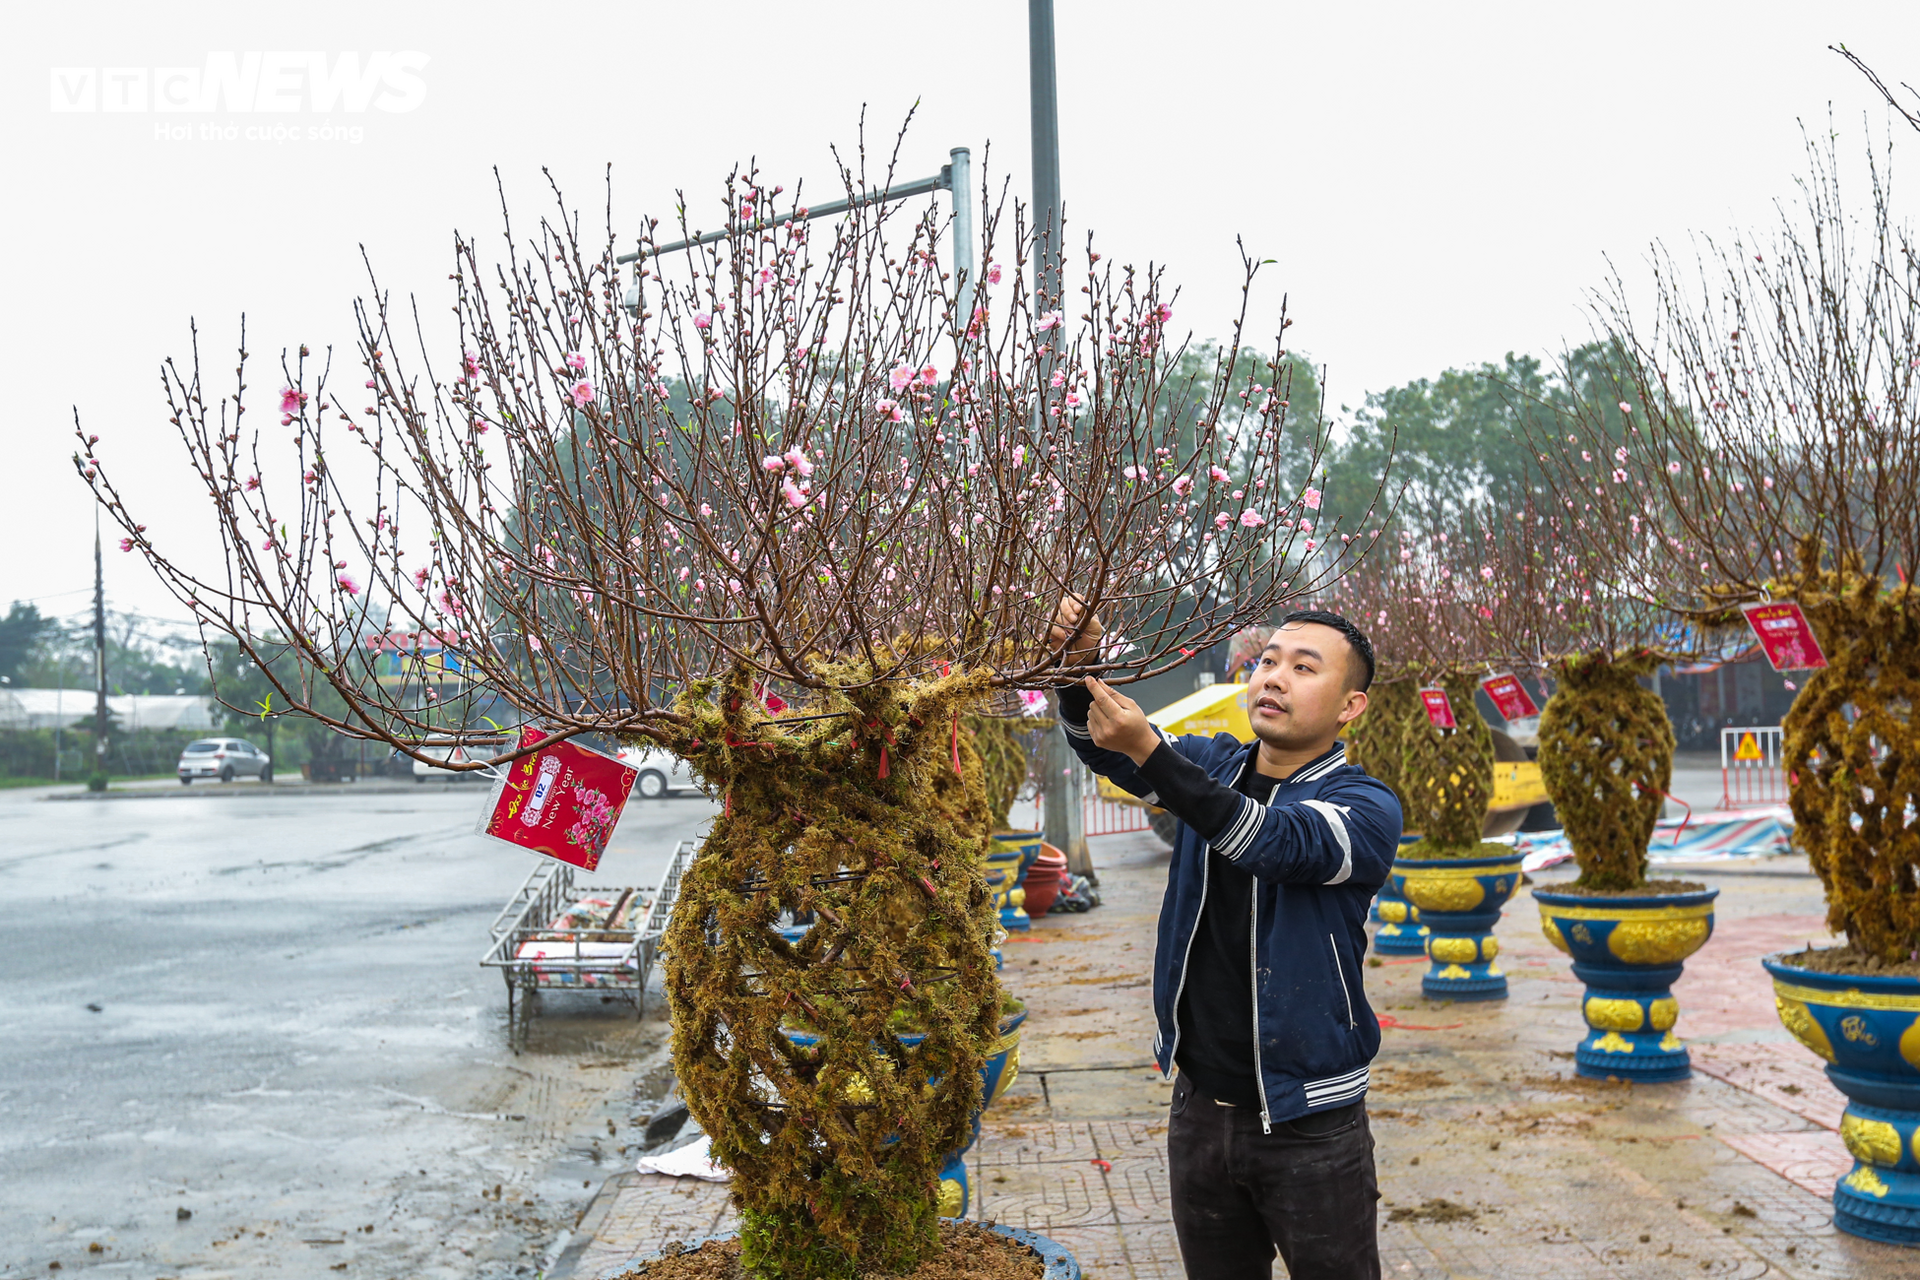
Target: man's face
1297, 695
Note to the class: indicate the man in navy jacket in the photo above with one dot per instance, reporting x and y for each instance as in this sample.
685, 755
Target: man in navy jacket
1256, 980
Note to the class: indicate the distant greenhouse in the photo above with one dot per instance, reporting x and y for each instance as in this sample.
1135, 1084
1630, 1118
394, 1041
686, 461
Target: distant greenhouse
63, 708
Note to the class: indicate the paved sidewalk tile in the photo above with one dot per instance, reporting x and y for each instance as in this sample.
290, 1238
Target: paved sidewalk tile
1496, 1160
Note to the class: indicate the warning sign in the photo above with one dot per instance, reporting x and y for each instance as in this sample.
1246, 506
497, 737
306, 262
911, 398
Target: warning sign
1749, 748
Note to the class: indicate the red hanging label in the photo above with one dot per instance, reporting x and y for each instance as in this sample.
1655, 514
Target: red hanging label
1509, 696
1785, 635
1439, 708
562, 801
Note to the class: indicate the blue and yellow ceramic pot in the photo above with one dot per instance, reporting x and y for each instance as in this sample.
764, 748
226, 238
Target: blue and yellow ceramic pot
997, 1074
1868, 1030
1009, 854
1400, 932
1628, 949
1459, 901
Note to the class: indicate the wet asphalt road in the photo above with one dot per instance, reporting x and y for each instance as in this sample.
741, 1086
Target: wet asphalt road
294, 1041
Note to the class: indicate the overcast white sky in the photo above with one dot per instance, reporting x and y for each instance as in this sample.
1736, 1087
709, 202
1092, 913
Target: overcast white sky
1438, 183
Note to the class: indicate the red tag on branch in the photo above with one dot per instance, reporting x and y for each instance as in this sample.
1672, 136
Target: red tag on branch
1439, 708
562, 801
1785, 635
1509, 696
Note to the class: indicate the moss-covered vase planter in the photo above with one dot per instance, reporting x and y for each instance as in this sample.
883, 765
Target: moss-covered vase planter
1867, 1028
1056, 1260
1459, 901
1009, 854
1629, 950
997, 1074
1400, 932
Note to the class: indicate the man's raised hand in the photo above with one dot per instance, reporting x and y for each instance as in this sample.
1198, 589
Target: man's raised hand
1076, 631
1117, 723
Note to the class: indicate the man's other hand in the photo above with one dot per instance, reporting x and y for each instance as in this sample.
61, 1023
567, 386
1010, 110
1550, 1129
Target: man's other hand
1077, 630
1118, 724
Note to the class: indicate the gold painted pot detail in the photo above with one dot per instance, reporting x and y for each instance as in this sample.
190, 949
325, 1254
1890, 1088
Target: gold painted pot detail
1628, 950
1400, 932
1009, 854
1867, 1029
1459, 901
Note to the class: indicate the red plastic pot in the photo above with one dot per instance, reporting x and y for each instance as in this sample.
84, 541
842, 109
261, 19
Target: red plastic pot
1045, 878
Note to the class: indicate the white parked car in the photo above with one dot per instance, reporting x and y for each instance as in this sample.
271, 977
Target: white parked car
222, 758
661, 772
449, 751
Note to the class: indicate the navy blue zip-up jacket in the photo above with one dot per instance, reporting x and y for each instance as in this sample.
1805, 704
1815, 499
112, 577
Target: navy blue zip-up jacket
1318, 851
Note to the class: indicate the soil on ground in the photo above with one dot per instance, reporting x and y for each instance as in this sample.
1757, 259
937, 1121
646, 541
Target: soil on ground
968, 1251
1847, 960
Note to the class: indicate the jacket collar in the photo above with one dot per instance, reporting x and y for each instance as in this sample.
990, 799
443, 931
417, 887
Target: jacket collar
1318, 767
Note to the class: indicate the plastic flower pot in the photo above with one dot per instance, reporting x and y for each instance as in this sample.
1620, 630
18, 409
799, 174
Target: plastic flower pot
1867, 1028
1628, 949
1459, 901
1043, 880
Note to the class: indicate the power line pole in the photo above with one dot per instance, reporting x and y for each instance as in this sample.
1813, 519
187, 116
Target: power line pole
99, 779
1063, 778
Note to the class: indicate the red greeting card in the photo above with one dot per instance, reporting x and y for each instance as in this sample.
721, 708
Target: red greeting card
1785, 635
562, 801
1509, 696
1439, 708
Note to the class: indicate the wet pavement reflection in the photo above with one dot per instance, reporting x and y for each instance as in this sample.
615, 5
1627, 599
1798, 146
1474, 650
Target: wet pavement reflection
247, 1030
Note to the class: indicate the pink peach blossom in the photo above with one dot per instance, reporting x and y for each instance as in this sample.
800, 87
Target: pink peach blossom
993, 273
576, 361
1219, 474
901, 377
1310, 499
1222, 520
348, 585
1183, 485
1251, 519
1048, 321
582, 393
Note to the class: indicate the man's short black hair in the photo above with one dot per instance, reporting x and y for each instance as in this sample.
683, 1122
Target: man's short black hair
1362, 647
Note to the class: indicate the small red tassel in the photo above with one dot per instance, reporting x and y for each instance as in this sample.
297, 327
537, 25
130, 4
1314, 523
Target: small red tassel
883, 759
729, 803
956, 742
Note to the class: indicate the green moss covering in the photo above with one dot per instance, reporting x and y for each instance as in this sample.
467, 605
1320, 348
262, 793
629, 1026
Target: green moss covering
1446, 778
1606, 757
835, 1147
1377, 741
1852, 755
1003, 754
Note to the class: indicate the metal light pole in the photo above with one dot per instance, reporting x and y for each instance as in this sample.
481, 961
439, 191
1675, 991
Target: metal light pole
965, 249
99, 662
1046, 149
1063, 777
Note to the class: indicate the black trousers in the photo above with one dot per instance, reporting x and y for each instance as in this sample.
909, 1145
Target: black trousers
1305, 1191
